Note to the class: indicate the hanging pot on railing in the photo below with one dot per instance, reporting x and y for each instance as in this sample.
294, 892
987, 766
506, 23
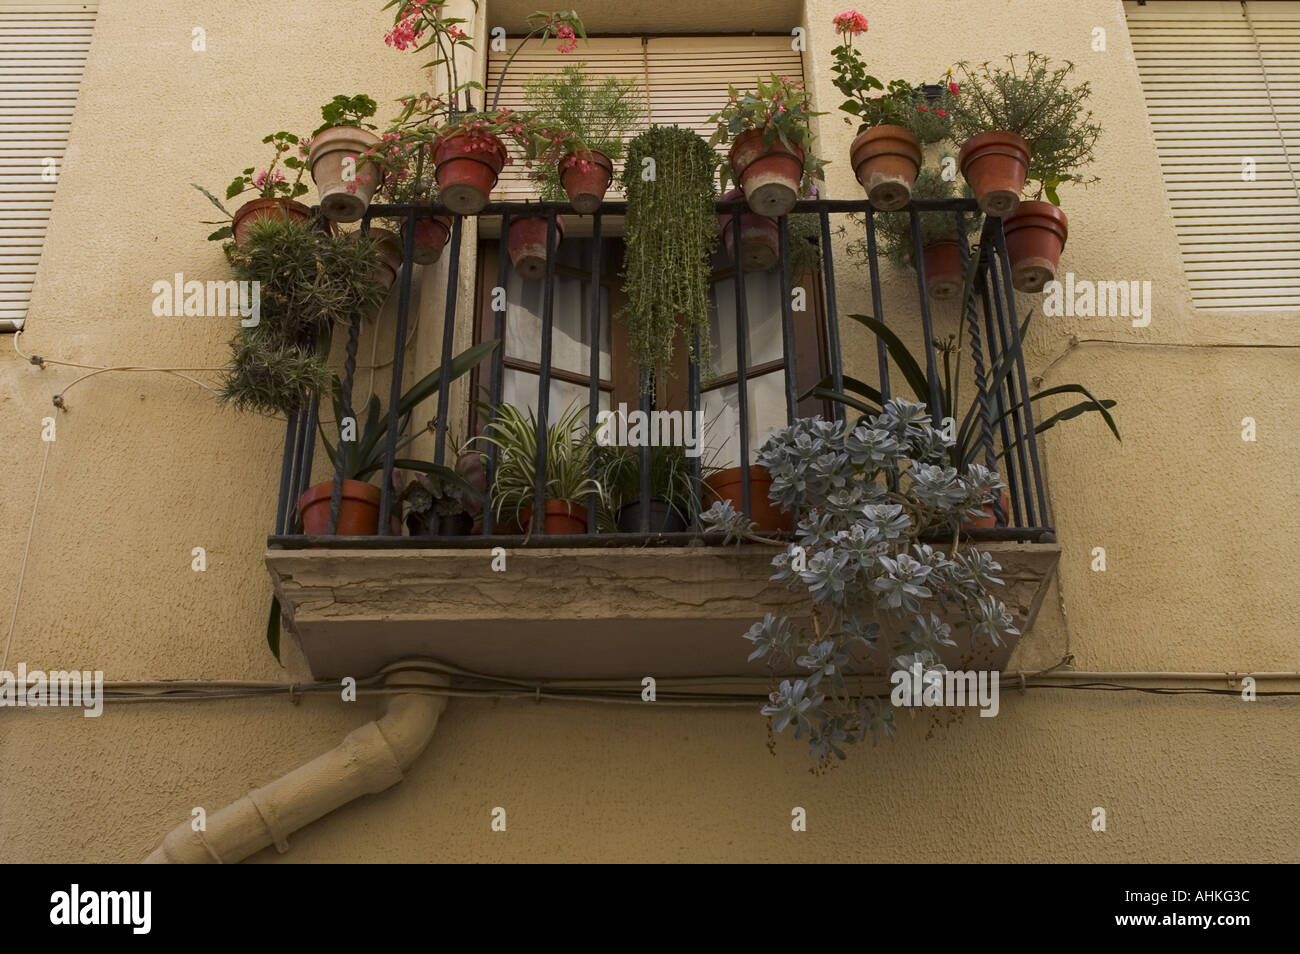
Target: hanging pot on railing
886, 160
390, 255
344, 182
527, 245
728, 485
769, 175
760, 238
995, 164
252, 211
358, 509
467, 170
430, 238
586, 178
943, 271
1036, 236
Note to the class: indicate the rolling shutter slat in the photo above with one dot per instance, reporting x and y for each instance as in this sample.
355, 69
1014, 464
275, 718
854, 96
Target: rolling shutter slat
43, 51
688, 81
1208, 90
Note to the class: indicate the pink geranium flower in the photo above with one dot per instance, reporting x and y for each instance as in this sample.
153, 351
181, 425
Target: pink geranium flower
850, 23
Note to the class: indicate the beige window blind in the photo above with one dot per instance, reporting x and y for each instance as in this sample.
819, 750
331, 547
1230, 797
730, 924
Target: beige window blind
685, 79
1222, 87
43, 50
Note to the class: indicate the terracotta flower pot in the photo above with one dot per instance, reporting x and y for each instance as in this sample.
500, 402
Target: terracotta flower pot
358, 509
1036, 235
561, 518
527, 245
467, 170
943, 271
251, 211
760, 238
344, 182
995, 164
726, 484
390, 255
430, 239
886, 160
990, 518
585, 178
769, 175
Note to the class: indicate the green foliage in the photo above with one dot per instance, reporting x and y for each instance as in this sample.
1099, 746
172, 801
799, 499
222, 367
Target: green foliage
350, 111
670, 235
894, 229
569, 450
308, 281
778, 108
269, 183
671, 479
1038, 101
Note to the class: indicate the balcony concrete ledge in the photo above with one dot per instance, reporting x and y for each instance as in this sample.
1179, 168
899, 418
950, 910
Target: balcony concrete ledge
617, 613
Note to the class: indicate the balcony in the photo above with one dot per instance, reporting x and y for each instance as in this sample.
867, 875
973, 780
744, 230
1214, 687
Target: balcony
620, 605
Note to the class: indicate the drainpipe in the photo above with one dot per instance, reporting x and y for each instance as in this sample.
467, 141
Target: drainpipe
367, 761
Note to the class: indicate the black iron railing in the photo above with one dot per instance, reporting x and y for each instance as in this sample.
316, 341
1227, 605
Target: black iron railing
1006, 422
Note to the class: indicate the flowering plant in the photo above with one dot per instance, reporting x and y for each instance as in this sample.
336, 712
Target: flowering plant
780, 109
268, 183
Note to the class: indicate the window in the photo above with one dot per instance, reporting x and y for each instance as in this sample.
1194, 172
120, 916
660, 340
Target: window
43, 50
1222, 86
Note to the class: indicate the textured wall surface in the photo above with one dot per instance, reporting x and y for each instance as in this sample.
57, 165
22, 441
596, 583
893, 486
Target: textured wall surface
1199, 526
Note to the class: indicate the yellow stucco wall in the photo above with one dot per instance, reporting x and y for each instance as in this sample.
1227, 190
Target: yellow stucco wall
1199, 526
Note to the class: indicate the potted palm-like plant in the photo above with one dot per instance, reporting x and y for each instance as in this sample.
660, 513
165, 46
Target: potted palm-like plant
1023, 121
344, 180
569, 449
275, 192
771, 158
673, 502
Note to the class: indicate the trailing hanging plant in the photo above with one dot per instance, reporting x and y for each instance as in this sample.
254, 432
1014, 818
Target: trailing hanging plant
307, 281
670, 236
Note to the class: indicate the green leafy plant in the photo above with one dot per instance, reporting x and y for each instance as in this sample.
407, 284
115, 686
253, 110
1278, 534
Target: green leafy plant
569, 450
1038, 100
968, 446
349, 111
405, 157
863, 494
308, 281
575, 116
930, 119
781, 110
894, 229
268, 183
670, 234
671, 478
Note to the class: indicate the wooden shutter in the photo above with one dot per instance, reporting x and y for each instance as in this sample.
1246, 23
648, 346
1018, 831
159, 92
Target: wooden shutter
43, 50
685, 79
1222, 88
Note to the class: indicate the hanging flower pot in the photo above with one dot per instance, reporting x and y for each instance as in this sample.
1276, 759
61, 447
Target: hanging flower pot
760, 239
727, 485
468, 166
561, 518
943, 271
430, 239
250, 212
344, 182
390, 255
585, 178
768, 174
995, 164
1036, 235
527, 245
358, 509
886, 160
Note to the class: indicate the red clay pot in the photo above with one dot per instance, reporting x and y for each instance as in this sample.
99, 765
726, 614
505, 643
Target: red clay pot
467, 170
769, 175
886, 160
585, 178
1036, 236
726, 484
995, 164
250, 212
760, 238
358, 509
345, 187
527, 245
430, 239
561, 518
943, 271
390, 255
990, 519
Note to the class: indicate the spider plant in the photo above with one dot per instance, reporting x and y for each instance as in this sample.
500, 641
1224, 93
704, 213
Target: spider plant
671, 480
863, 397
569, 449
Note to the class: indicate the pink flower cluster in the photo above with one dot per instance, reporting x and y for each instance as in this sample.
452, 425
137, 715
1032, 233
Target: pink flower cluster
568, 42
850, 23
260, 180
